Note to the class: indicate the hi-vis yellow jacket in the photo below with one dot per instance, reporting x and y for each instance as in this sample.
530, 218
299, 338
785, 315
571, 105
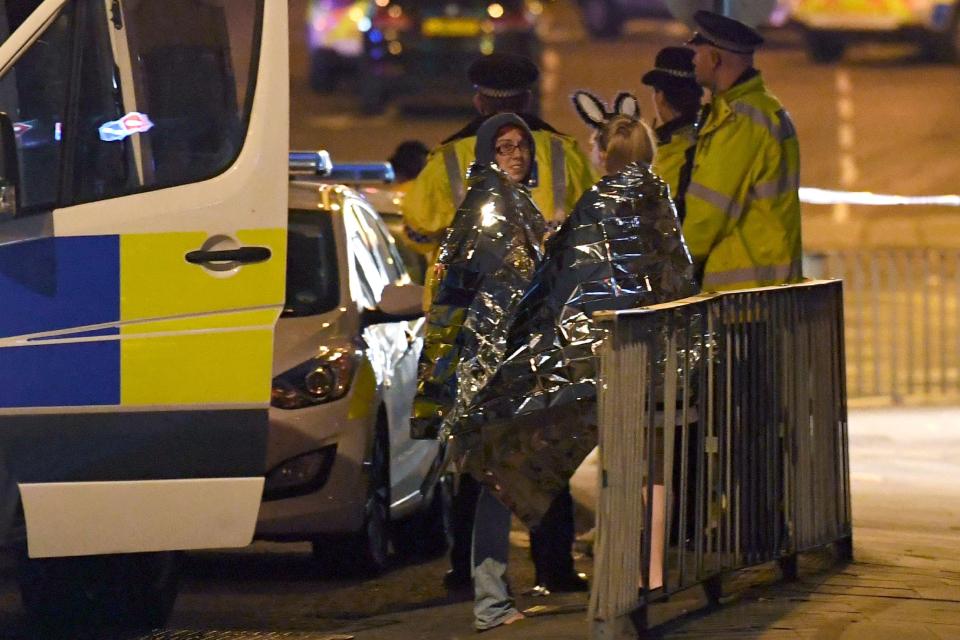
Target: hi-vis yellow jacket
742, 221
564, 173
671, 156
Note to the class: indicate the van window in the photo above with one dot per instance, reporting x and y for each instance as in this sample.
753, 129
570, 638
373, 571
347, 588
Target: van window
34, 95
115, 98
169, 103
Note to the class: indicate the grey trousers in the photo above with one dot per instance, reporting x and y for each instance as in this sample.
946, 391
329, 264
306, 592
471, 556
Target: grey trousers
492, 602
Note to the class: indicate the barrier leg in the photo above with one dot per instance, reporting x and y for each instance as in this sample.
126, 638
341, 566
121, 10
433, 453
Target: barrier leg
713, 588
788, 567
844, 547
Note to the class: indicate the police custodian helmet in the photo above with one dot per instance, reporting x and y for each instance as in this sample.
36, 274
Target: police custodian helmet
502, 75
673, 68
724, 33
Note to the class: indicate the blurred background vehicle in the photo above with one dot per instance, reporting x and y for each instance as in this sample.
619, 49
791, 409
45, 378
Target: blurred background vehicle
607, 18
335, 39
343, 472
830, 25
397, 48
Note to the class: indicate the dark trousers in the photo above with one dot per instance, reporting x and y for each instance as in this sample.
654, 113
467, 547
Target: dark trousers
550, 542
552, 539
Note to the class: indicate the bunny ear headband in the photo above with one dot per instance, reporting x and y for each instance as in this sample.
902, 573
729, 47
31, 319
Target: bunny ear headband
594, 111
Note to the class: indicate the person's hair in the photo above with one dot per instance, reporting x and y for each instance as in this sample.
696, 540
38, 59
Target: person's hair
489, 105
684, 99
408, 159
624, 140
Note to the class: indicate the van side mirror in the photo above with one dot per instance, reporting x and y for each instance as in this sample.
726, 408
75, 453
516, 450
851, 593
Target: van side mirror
9, 170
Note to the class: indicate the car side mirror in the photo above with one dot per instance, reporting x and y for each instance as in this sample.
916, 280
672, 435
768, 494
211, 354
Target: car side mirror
402, 300
398, 302
9, 170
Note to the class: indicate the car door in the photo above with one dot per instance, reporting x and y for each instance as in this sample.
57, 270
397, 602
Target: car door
142, 273
398, 345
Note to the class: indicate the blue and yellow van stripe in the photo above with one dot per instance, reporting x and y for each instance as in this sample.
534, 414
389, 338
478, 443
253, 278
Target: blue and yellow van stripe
125, 320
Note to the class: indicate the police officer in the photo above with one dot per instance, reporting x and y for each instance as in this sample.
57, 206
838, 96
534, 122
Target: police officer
563, 173
676, 102
502, 84
742, 222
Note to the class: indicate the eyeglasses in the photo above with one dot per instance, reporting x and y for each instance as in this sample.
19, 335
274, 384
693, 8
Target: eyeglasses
507, 148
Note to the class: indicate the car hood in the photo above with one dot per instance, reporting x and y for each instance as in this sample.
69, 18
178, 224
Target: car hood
299, 339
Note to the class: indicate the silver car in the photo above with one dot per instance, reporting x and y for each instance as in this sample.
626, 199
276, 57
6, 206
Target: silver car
343, 472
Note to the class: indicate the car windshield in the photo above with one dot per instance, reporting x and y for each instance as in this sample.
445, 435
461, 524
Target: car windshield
312, 275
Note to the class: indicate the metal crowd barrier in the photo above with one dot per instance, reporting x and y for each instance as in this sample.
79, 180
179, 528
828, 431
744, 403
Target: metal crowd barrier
729, 410
902, 322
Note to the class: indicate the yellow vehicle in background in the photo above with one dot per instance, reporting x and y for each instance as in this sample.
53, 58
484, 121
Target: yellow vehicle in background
830, 25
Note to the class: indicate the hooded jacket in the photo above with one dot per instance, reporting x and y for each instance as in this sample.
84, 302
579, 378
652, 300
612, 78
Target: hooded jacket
486, 260
564, 173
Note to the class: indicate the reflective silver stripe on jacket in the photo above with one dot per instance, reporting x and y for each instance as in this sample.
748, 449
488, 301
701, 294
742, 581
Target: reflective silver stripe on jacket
788, 181
781, 132
454, 175
558, 169
726, 204
758, 274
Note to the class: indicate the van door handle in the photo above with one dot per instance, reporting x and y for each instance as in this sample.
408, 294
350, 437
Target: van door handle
243, 255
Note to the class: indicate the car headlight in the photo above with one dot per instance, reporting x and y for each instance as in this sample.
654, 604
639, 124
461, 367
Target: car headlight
300, 475
321, 379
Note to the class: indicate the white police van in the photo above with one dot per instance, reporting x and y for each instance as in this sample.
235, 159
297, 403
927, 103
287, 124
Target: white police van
143, 212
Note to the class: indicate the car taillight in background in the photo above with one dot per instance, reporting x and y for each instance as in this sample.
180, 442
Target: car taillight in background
514, 16
321, 379
391, 16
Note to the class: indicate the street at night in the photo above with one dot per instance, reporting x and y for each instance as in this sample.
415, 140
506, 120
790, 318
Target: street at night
882, 120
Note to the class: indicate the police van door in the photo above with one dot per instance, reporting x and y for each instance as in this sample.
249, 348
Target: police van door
142, 257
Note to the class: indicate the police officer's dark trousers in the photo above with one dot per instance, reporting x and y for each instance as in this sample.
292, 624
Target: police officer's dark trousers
552, 540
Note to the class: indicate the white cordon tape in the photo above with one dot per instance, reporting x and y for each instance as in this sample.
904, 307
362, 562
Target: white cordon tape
811, 195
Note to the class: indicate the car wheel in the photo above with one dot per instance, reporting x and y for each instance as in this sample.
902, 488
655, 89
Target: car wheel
601, 18
323, 70
428, 533
824, 48
367, 551
70, 597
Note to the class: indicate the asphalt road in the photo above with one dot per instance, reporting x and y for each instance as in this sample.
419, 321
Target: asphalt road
884, 120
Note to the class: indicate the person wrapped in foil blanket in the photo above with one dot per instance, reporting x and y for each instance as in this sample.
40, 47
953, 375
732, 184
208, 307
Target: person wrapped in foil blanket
620, 248
487, 258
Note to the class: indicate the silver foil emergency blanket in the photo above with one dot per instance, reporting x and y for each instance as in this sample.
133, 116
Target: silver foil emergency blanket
487, 258
620, 248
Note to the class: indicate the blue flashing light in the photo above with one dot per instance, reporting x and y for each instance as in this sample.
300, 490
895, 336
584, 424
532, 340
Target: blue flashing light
376, 53
376, 36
